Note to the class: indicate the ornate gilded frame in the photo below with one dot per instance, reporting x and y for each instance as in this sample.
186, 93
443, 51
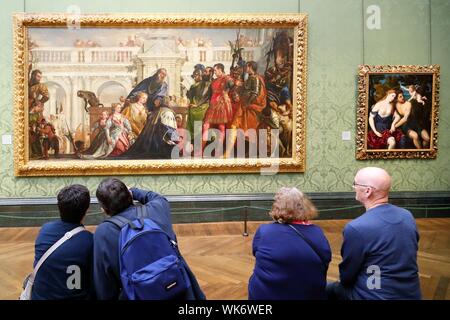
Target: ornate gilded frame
25, 167
362, 124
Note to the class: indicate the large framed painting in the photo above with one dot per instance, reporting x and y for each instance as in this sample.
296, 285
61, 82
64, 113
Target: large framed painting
397, 113
107, 94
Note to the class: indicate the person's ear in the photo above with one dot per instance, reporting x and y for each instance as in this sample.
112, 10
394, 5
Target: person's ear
104, 211
131, 194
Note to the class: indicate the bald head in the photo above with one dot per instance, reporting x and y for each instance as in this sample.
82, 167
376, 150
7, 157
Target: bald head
375, 177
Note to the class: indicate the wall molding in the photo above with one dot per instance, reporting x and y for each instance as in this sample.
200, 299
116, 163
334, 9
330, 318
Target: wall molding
229, 207
422, 195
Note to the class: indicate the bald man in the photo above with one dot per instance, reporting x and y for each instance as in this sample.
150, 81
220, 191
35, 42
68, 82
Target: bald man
379, 252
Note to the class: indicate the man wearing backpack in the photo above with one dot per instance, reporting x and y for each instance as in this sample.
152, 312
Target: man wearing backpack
126, 244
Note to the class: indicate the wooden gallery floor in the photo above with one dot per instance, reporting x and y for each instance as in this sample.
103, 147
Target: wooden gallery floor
222, 261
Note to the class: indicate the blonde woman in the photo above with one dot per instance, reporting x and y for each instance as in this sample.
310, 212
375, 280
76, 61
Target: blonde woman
382, 122
292, 254
136, 113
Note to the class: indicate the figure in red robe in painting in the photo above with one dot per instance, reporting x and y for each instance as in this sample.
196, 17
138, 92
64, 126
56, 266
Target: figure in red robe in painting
219, 113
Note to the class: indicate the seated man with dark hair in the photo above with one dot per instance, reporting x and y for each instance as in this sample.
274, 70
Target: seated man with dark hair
116, 200
67, 272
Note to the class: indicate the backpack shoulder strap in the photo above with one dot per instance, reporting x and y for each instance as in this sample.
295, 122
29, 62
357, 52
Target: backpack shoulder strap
142, 214
121, 221
117, 220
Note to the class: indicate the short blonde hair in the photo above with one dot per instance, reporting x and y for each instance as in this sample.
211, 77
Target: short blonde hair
291, 204
141, 94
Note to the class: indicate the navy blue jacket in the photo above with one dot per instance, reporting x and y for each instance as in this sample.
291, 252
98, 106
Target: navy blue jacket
383, 239
286, 267
51, 279
106, 247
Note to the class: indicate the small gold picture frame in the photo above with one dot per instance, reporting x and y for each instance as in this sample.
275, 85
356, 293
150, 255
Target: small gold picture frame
398, 112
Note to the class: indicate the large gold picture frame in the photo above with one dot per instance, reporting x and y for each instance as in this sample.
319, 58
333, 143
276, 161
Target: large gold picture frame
398, 112
68, 69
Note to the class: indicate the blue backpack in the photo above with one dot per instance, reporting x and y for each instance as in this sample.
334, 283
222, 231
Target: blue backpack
151, 266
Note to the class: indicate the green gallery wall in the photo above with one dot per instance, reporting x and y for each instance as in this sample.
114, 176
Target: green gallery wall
412, 32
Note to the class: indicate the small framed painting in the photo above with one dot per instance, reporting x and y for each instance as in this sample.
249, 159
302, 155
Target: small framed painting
397, 114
